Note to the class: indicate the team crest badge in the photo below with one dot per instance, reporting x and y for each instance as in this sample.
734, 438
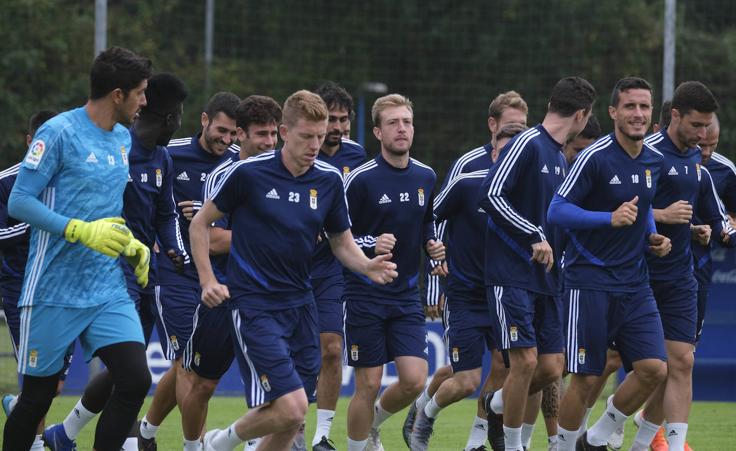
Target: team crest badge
264, 383
345, 170
455, 355
420, 195
197, 358
697, 170
174, 342
354, 353
514, 333
581, 356
124, 155
35, 153
648, 174
33, 358
159, 178
313, 199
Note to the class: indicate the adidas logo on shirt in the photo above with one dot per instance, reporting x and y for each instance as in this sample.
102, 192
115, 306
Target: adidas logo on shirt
615, 181
273, 194
183, 177
384, 200
545, 170
91, 158
673, 171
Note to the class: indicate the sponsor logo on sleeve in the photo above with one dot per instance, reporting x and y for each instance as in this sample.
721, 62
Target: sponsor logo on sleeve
35, 153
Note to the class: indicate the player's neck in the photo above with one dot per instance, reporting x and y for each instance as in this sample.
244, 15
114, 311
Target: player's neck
672, 134
146, 136
291, 164
101, 113
330, 151
397, 161
631, 147
558, 127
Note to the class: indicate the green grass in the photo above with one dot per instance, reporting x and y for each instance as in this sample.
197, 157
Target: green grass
711, 425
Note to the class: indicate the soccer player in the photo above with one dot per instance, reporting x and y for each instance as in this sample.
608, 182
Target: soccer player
274, 319
590, 133
506, 108
327, 279
468, 325
390, 199
257, 119
150, 213
665, 116
604, 205
199, 359
70, 191
14, 237
684, 187
522, 256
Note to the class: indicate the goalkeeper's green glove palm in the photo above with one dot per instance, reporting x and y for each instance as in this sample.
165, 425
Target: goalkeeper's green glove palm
108, 236
138, 256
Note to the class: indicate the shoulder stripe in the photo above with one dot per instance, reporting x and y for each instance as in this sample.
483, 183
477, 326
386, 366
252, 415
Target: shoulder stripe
466, 158
322, 166
179, 142
724, 161
230, 169
350, 141
420, 164
446, 191
653, 149
13, 170
725, 223
214, 176
654, 139
368, 165
579, 164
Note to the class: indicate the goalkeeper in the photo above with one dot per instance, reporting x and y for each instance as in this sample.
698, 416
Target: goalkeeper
70, 190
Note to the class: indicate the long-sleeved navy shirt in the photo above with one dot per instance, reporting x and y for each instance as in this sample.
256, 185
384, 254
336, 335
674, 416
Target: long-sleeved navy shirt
14, 238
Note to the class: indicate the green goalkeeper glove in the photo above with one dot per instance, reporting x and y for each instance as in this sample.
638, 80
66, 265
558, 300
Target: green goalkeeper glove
108, 236
138, 256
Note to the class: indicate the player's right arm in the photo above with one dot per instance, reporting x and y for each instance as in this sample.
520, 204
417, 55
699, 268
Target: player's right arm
379, 268
109, 236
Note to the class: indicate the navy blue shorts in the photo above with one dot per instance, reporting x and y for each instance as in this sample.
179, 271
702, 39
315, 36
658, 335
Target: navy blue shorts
12, 317
677, 301
594, 320
328, 297
210, 351
145, 304
468, 333
277, 350
703, 294
378, 333
524, 319
177, 308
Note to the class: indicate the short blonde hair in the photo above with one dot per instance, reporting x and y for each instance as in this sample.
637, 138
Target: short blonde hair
304, 105
508, 99
388, 101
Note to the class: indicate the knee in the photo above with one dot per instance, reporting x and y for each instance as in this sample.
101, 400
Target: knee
204, 387
652, 373
523, 360
613, 363
468, 384
412, 385
681, 363
292, 410
549, 371
368, 387
332, 352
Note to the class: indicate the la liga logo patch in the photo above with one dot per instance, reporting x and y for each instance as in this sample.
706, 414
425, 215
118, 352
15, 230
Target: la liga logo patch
35, 153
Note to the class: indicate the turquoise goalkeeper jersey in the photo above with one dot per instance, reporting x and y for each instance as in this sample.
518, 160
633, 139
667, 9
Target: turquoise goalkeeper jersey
86, 169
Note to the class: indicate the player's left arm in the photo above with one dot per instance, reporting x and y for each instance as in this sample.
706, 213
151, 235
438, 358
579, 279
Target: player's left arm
712, 212
379, 268
434, 247
213, 293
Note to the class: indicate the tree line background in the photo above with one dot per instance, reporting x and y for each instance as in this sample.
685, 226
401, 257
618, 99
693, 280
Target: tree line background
450, 57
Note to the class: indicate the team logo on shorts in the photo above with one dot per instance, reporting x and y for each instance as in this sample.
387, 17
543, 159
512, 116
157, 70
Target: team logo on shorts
124, 155
514, 333
354, 353
313, 199
174, 342
264, 383
455, 355
197, 358
159, 178
420, 193
581, 356
35, 153
648, 174
33, 358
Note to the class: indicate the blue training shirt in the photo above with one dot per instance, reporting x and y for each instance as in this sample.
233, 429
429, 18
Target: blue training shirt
466, 223
149, 209
516, 194
191, 165
14, 237
603, 177
386, 199
349, 156
683, 178
86, 169
275, 219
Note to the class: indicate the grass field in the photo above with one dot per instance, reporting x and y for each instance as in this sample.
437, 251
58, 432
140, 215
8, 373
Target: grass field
712, 425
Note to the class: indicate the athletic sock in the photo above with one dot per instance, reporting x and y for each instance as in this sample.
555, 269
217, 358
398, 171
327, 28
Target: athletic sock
148, 429
192, 445
675, 435
512, 437
645, 434
38, 444
497, 402
130, 444
584, 424
252, 444
566, 439
611, 420
226, 439
324, 424
77, 419
551, 440
379, 415
12, 403
526, 434
423, 399
357, 445
478, 433
432, 409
